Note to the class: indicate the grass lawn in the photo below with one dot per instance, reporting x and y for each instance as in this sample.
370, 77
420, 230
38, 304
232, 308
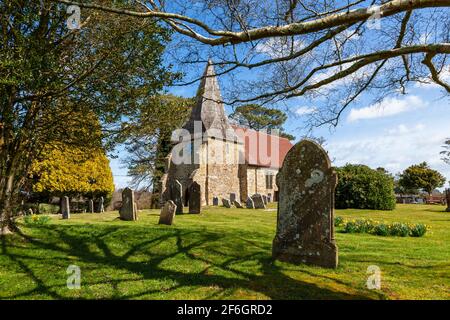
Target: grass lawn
220, 254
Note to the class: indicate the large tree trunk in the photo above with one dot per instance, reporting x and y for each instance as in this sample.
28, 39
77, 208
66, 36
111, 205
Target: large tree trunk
7, 205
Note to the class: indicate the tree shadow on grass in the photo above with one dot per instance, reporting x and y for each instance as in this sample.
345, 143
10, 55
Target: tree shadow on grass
198, 247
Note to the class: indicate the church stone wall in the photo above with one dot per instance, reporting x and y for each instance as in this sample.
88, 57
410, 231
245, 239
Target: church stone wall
256, 180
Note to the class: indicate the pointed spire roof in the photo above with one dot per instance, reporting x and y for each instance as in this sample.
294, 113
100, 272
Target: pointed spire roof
209, 109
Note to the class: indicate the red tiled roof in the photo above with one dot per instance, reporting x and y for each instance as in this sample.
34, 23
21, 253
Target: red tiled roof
262, 149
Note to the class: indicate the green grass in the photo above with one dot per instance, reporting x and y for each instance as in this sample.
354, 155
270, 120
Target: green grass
220, 254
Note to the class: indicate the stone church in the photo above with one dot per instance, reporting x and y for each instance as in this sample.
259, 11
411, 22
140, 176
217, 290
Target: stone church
224, 159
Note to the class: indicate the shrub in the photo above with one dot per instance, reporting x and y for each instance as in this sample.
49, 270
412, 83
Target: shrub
36, 219
418, 230
45, 208
361, 187
384, 229
338, 221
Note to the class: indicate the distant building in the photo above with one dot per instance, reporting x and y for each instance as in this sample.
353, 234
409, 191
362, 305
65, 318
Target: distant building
223, 159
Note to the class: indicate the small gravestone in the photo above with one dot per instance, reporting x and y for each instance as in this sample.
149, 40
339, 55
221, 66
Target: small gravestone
232, 197
447, 193
226, 203
258, 201
264, 199
90, 206
167, 213
177, 195
237, 204
30, 212
128, 211
249, 203
305, 228
194, 198
65, 207
215, 201
101, 205
269, 197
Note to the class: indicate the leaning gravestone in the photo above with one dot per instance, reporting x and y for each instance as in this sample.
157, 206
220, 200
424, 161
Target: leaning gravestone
128, 210
226, 203
447, 193
237, 204
65, 207
167, 213
91, 206
305, 229
249, 203
177, 195
215, 201
258, 201
194, 198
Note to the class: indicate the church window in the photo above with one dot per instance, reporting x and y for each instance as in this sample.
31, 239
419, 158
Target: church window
269, 180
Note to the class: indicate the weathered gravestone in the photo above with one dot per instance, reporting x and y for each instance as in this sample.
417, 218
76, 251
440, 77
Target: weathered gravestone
237, 204
91, 206
65, 207
269, 197
305, 229
232, 197
128, 211
226, 203
215, 201
258, 201
447, 193
194, 198
249, 203
176, 193
101, 205
167, 213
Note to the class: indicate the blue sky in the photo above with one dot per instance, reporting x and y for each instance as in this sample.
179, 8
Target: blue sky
402, 131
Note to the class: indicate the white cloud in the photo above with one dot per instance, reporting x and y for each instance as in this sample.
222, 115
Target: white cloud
278, 47
305, 110
394, 148
387, 107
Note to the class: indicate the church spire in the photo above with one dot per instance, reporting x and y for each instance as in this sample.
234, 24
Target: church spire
209, 109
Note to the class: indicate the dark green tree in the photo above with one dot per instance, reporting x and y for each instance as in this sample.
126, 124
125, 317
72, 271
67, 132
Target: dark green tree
421, 176
257, 117
361, 187
148, 138
110, 66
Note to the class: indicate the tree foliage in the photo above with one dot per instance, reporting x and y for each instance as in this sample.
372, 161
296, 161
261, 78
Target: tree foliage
110, 66
361, 187
148, 137
422, 177
258, 117
446, 152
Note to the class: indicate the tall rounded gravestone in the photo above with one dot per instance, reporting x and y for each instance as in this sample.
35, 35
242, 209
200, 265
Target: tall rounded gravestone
305, 228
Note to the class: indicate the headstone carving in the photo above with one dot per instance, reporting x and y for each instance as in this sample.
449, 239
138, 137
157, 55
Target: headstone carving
167, 213
194, 198
176, 193
215, 201
226, 203
128, 211
305, 228
65, 207
237, 204
249, 203
258, 201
